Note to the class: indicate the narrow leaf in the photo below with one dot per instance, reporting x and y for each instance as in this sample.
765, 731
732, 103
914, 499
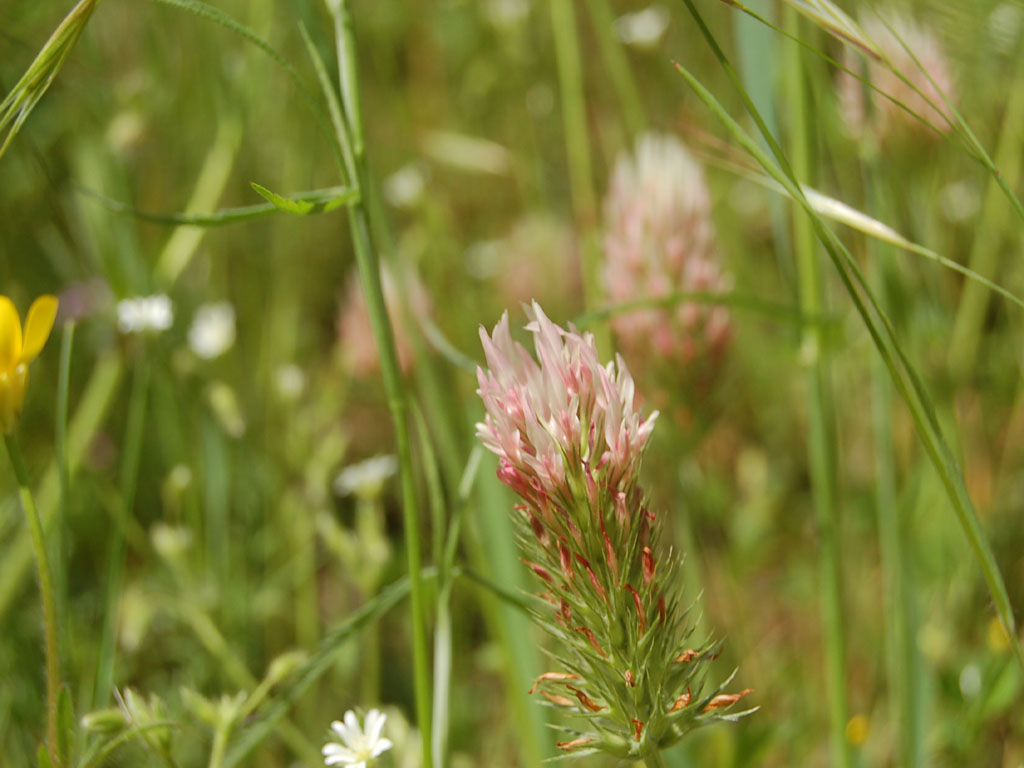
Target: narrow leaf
298, 207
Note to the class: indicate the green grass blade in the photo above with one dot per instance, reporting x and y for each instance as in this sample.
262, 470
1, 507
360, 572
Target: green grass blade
320, 201
32, 86
495, 557
883, 336
841, 212
732, 299
341, 138
58, 535
183, 243
821, 442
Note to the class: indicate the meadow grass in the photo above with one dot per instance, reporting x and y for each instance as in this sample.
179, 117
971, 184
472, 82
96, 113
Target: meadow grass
846, 493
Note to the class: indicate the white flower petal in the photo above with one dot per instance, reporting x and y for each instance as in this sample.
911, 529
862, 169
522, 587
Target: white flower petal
352, 734
374, 724
381, 746
333, 750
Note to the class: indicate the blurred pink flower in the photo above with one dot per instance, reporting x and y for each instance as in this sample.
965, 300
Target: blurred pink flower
404, 302
885, 117
566, 423
537, 259
659, 240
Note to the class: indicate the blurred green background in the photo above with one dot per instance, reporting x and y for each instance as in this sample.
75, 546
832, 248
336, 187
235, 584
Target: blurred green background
220, 472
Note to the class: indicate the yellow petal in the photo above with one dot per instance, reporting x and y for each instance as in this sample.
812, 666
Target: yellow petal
38, 326
10, 335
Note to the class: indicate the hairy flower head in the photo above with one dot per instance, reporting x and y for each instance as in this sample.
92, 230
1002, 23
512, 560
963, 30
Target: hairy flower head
17, 350
659, 240
562, 421
570, 440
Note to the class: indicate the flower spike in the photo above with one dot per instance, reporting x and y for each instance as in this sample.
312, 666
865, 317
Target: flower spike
570, 439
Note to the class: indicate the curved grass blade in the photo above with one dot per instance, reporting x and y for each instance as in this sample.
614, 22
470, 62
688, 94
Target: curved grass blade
209, 12
838, 211
864, 81
904, 375
320, 200
833, 20
30, 89
731, 299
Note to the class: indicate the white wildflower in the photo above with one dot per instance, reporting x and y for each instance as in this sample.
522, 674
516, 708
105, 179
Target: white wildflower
404, 188
643, 28
366, 479
290, 381
213, 330
970, 681
358, 746
143, 314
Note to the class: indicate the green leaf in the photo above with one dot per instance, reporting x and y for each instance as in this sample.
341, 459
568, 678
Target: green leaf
304, 204
44, 757
322, 201
298, 207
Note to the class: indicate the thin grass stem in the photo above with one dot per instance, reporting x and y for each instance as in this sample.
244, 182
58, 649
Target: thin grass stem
901, 650
821, 437
59, 535
394, 385
46, 594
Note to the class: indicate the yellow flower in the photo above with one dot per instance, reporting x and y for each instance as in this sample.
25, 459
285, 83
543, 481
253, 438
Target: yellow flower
17, 351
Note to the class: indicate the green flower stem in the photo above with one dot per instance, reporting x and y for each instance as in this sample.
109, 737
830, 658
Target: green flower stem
394, 386
654, 759
821, 442
58, 536
46, 593
220, 743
